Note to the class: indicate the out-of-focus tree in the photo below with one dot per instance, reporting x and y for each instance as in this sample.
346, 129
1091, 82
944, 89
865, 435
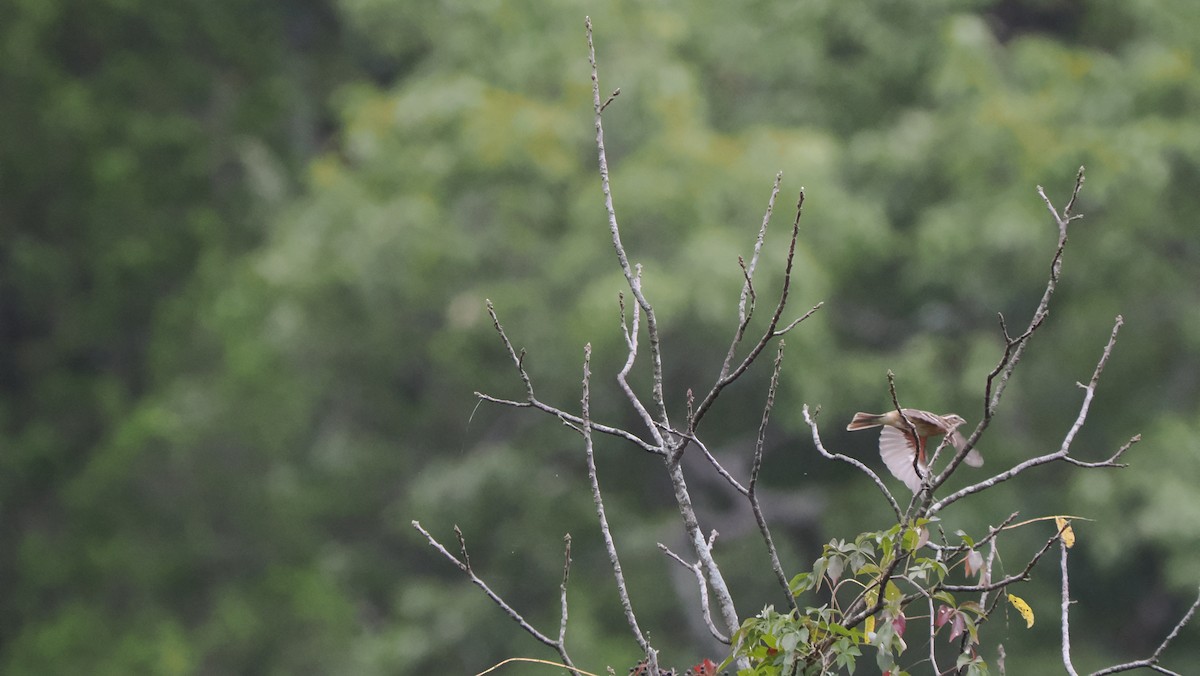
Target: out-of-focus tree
227, 395
141, 147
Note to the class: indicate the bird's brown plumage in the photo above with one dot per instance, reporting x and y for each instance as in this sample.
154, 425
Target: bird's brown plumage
904, 453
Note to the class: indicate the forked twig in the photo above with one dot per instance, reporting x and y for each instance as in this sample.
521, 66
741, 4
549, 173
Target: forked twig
745, 312
632, 278
531, 401
1063, 450
683, 500
465, 566
698, 572
1016, 347
726, 376
1008, 579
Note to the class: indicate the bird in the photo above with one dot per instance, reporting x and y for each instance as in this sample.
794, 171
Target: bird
897, 445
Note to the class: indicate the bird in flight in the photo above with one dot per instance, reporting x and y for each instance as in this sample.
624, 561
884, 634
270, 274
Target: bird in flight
899, 447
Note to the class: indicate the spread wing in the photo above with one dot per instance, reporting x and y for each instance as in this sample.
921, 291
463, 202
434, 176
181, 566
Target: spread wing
974, 458
957, 440
898, 450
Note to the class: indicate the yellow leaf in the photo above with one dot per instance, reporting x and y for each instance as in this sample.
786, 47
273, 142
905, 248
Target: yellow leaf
1023, 608
872, 596
1064, 527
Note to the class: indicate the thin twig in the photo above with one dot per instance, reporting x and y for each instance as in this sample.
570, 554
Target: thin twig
797, 320
1152, 661
531, 660
746, 312
755, 506
816, 435
1009, 579
1063, 450
1014, 348
932, 635
574, 421
727, 377
705, 611
1111, 462
756, 465
465, 566
531, 401
712, 460
634, 281
518, 360
562, 623
598, 500
631, 345
1066, 609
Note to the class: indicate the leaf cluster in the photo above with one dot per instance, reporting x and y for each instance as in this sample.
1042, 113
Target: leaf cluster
868, 587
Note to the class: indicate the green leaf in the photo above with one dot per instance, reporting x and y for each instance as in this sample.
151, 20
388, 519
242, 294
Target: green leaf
892, 593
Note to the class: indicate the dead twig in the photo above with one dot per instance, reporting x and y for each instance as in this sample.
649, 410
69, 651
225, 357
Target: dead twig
598, 500
696, 570
1063, 450
464, 565
752, 495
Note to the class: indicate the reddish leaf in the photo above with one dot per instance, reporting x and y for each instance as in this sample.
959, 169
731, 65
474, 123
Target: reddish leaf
943, 614
705, 668
957, 626
899, 623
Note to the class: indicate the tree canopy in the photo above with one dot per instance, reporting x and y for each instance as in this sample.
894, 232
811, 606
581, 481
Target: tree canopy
246, 249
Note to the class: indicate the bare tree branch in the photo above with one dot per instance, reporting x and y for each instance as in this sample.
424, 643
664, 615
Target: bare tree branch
631, 345
816, 435
531, 401
1016, 347
797, 320
1152, 661
573, 421
746, 312
465, 566
633, 279
705, 611
1064, 448
1112, 461
1066, 609
1009, 579
613, 559
725, 378
712, 460
562, 622
754, 473
1147, 663
687, 511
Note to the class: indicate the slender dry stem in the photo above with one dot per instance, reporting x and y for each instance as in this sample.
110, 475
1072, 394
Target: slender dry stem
776, 566
465, 566
598, 500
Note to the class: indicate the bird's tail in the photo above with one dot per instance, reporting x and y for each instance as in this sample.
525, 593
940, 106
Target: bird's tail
863, 421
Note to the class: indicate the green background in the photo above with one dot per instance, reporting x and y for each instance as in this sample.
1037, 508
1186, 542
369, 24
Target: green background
245, 247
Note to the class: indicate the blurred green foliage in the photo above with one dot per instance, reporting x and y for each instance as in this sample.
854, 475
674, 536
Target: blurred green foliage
245, 249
